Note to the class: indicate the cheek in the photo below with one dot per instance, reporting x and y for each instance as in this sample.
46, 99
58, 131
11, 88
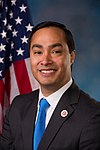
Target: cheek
62, 62
32, 60
64, 65
33, 64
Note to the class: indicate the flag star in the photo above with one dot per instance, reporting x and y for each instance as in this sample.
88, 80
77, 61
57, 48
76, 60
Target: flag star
24, 39
14, 33
13, 2
10, 57
0, 73
9, 27
23, 8
1, 60
3, 34
2, 47
20, 51
29, 27
11, 14
12, 45
5, 21
18, 20
7, 40
6, 9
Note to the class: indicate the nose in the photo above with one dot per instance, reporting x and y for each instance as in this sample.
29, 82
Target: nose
46, 60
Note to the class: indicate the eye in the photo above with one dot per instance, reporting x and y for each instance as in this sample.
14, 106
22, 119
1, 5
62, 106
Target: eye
57, 51
37, 52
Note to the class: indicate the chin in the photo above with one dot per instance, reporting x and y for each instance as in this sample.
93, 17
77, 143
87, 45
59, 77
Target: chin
47, 84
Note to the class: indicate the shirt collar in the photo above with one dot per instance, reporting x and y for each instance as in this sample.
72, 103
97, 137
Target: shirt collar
54, 98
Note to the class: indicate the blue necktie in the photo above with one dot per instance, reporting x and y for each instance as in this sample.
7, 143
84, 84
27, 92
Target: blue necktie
40, 124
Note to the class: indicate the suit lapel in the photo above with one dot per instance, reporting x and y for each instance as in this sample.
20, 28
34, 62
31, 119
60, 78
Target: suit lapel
28, 121
57, 119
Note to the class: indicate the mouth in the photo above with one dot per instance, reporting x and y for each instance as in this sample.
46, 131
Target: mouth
47, 71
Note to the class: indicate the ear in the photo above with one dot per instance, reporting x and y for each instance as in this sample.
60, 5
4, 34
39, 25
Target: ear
72, 56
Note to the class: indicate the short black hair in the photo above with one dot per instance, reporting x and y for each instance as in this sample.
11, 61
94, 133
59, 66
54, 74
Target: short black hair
68, 34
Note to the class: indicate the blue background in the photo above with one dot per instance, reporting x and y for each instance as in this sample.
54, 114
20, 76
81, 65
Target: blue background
83, 19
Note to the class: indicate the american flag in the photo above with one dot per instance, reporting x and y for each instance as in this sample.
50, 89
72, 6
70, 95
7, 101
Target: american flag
15, 72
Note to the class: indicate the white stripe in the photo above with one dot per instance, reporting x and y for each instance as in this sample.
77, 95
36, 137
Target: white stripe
34, 83
14, 87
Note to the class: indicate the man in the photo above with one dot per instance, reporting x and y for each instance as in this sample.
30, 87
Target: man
72, 118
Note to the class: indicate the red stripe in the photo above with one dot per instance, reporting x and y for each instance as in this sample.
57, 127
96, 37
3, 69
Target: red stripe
22, 77
8, 84
2, 92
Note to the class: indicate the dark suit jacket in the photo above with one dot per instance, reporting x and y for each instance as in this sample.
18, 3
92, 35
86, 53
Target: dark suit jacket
79, 130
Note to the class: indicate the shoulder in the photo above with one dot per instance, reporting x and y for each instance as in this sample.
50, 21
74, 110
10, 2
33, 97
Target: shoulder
86, 108
88, 101
20, 101
26, 97
83, 99
87, 105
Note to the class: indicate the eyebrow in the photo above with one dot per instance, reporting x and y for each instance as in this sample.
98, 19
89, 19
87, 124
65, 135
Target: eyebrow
55, 45
36, 46
50, 46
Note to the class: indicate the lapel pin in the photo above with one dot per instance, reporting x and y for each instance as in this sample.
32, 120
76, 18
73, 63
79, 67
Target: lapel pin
64, 113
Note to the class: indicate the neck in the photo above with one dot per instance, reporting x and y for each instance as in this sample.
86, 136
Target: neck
50, 89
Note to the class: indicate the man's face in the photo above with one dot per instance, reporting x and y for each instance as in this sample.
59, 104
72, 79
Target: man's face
50, 58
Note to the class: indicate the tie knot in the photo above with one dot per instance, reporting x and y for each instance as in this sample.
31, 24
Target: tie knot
44, 104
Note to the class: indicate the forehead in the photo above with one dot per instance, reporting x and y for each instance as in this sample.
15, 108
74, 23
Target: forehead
54, 32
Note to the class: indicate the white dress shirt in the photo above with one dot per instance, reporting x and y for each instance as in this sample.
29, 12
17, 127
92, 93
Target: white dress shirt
53, 100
